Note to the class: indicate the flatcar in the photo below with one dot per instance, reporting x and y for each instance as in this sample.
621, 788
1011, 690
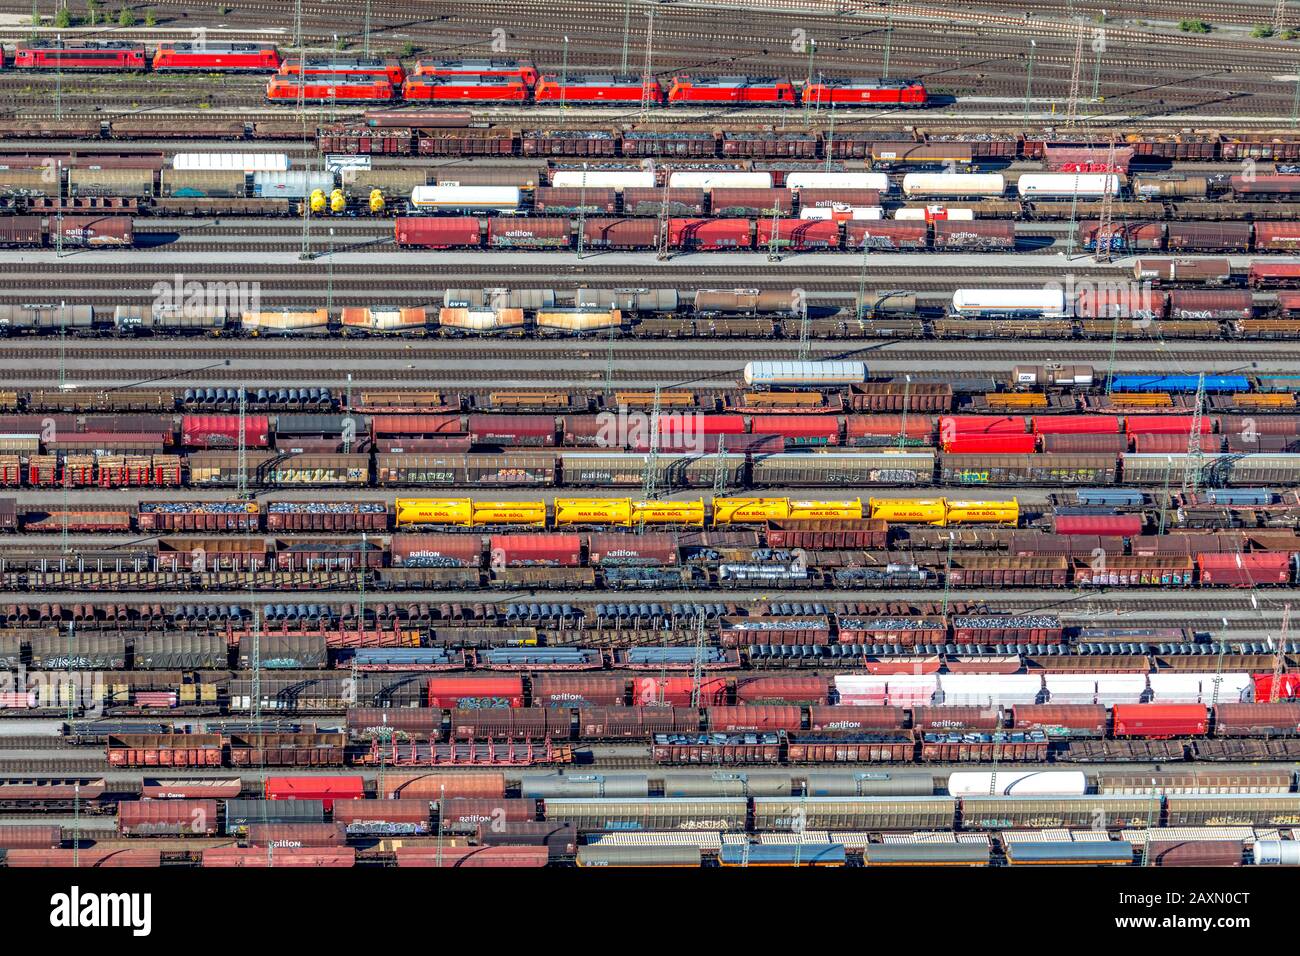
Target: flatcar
327, 88
866, 92
88, 55
522, 70
467, 89
596, 88
217, 57
731, 90
346, 66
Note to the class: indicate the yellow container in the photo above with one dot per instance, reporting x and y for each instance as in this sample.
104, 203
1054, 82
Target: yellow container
984, 512
524, 513
605, 511
317, 201
825, 510
376, 201
749, 510
910, 510
338, 202
455, 511
688, 514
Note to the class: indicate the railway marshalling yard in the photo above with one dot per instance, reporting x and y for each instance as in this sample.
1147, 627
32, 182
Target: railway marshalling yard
851, 499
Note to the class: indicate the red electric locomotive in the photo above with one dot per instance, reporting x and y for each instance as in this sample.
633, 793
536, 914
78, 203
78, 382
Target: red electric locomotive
730, 91
346, 66
596, 88
84, 55
222, 57
466, 89
330, 89
522, 70
866, 92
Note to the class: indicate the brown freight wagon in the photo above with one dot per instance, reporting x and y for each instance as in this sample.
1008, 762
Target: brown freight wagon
977, 236
23, 837
470, 142
635, 723
894, 397
1061, 720
20, 231
167, 818
567, 201
165, 750
955, 717
620, 233
965, 750
1044, 469
1257, 720
750, 203
679, 201
905, 629
886, 235
897, 747
1195, 852
718, 749
450, 470
967, 571
854, 718
774, 630
1209, 236
568, 142
327, 516
1218, 306
528, 233
298, 835
865, 533
1196, 271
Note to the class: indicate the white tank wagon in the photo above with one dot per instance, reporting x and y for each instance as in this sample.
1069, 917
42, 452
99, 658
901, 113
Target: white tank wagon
980, 303
1018, 783
877, 181
952, 185
466, 198
616, 179
718, 179
805, 373
1089, 185
1277, 853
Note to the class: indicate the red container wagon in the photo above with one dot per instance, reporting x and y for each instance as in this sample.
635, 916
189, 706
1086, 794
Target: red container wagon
1257, 720
512, 431
866, 92
361, 810
1122, 301
666, 691
508, 232
96, 232
465, 815
469, 89
1084, 444
622, 233
1076, 424
851, 717
222, 431
1160, 444
782, 690
1273, 275
1164, 425
593, 89
632, 550
565, 690
1247, 570
292, 836
96, 55
438, 232
1061, 720
710, 235
828, 196
1210, 304
30, 837
1277, 236
748, 719
885, 235
1160, 721
475, 692
522, 70
217, 57
329, 88
325, 789
85, 858
1288, 689
167, 817
1120, 526
257, 856
536, 550
800, 429
468, 857
730, 91
967, 444
354, 66
799, 235
952, 426
979, 235
437, 550
1209, 236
